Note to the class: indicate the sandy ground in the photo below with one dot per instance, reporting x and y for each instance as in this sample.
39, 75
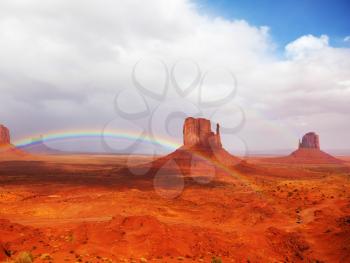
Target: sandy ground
83, 209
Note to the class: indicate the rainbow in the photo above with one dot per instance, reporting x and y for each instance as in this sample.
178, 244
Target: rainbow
118, 134
95, 134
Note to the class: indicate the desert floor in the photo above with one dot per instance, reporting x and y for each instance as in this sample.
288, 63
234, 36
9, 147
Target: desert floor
83, 209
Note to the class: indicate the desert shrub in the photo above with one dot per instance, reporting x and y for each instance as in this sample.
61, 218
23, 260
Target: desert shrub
216, 260
70, 237
24, 257
46, 256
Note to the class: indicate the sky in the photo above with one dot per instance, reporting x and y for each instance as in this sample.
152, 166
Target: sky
267, 72
286, 19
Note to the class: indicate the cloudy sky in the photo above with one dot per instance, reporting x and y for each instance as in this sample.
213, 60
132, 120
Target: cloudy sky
267, 72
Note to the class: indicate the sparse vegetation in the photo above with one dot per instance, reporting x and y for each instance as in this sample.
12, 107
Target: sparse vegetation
24, 257
69, 237
216, 260
46, 256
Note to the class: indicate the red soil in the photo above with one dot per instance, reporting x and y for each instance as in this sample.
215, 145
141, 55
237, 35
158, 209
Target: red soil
89, 209
10, 151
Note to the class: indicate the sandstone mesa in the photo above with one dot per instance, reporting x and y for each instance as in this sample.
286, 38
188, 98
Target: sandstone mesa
308, 152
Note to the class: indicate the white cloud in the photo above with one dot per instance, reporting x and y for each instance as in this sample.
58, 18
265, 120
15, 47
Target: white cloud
347, 39
304, 45
78, 54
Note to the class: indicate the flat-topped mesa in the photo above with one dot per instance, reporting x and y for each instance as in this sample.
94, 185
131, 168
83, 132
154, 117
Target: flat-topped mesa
197, 133
310, 141
4, 135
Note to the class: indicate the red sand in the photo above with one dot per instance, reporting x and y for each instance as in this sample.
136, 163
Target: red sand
86, 209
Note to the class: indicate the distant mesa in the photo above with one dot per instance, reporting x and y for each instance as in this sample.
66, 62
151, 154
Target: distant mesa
309, 152
6, 148
38, 146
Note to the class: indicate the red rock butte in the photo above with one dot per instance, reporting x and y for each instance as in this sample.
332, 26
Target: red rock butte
309, 152
4, 136
201, 153
6, 148
197, 133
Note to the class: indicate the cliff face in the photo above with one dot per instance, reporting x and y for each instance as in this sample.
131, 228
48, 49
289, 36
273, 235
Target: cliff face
310, 141
4, 135
197, 133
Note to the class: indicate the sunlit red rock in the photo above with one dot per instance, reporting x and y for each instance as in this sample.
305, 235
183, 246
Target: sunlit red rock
4, 135
197, 133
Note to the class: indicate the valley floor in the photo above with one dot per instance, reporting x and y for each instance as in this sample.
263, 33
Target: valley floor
83, 209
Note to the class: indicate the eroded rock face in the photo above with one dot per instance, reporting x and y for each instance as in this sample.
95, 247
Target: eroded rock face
310, 140
201, 157
197, 133
4, 135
